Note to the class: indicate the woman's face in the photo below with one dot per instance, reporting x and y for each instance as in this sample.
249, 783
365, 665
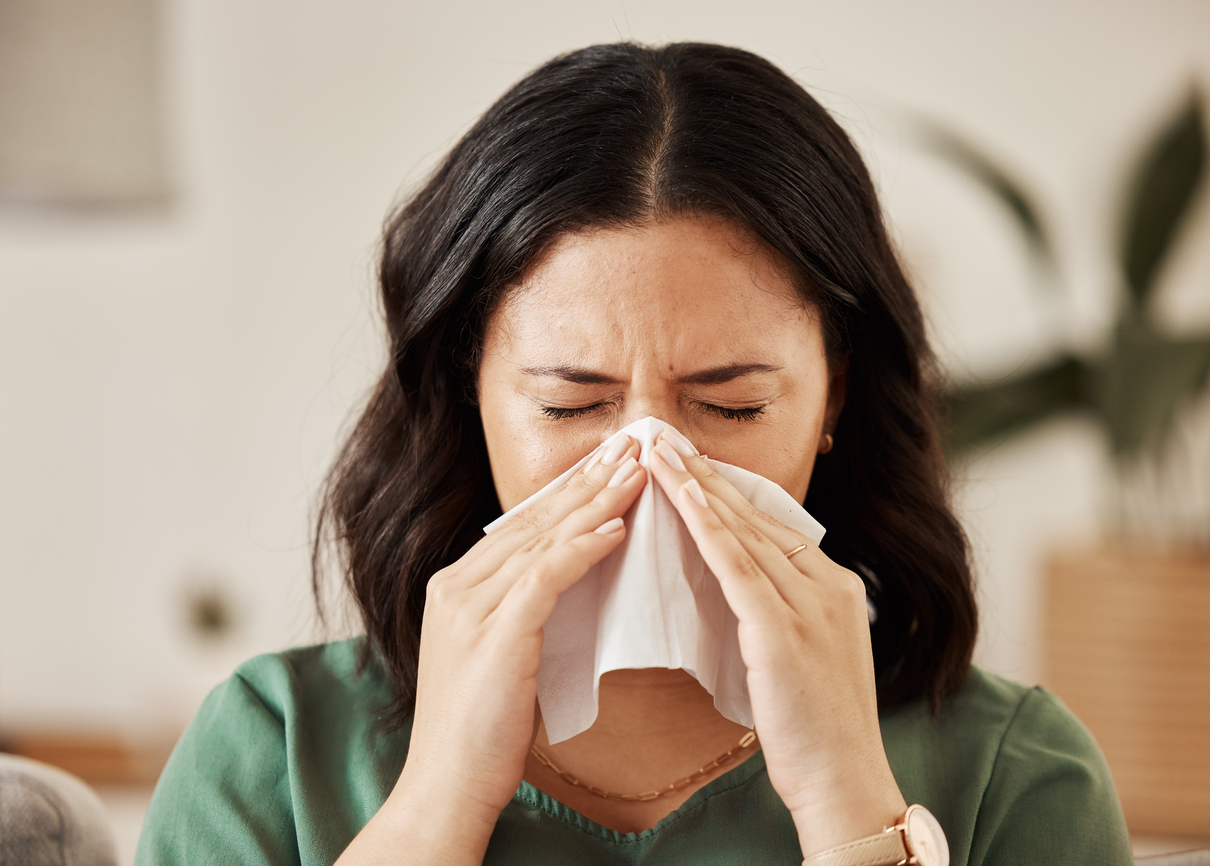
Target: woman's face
688, 320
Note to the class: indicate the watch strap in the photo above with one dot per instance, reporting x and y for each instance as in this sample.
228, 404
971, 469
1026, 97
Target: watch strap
882, 850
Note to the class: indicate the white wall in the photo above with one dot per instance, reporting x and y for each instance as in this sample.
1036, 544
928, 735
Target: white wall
171, 387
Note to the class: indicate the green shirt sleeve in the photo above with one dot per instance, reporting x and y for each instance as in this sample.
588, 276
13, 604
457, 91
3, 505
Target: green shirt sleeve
283, 764
224, 796
1050, 798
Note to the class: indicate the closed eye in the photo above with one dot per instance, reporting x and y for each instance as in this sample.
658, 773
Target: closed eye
745, 413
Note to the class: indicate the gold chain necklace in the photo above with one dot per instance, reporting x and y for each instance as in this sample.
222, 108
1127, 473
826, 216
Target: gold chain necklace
745, 741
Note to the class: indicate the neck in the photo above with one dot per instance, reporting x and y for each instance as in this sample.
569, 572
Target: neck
652, 726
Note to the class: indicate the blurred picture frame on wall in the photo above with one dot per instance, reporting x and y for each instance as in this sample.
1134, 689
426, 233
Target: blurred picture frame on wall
82, 115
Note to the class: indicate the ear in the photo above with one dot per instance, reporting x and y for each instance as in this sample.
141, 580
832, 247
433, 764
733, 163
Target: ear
838, 384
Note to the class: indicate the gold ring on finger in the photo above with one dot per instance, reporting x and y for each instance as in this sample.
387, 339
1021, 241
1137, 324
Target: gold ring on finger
800, 547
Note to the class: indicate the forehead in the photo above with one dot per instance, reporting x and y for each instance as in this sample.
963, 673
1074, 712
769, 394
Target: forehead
682, 281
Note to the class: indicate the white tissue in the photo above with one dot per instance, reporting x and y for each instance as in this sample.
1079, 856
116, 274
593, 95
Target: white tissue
652, 603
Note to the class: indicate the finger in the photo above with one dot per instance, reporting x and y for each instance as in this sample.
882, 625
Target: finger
530, 599
794, 578
582, 487
713, 483
794, 586
745, 585
579, 487
610, 504
790, 583
622, 485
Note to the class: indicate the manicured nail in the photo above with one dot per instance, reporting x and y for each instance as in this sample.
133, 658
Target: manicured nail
609, 526
597, 453
592, 460
614, 449
695, 492
668, 455
678, 441
623, 474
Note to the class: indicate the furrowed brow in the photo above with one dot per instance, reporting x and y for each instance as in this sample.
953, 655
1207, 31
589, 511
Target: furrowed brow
726, 373
711, 376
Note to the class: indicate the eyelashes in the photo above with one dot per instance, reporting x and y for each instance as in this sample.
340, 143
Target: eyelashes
746, 413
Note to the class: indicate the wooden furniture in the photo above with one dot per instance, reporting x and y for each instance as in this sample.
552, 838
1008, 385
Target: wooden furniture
1127, 632
97, 758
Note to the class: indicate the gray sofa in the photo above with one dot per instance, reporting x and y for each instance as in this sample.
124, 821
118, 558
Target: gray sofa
50, 818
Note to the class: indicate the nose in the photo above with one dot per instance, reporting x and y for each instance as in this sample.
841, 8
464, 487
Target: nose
667, 408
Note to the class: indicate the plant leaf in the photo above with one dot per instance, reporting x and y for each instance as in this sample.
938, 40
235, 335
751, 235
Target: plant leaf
1162, 189
996, 180
979, 413
1144, 382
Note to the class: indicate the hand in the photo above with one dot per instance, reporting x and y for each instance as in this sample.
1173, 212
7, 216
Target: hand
804, 635
481, 640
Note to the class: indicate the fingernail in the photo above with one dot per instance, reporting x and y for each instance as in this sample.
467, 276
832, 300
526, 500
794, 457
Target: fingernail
614, 449
609, 526
678, 441
623, 474
592, 461
668, 455
596, 455
695, 492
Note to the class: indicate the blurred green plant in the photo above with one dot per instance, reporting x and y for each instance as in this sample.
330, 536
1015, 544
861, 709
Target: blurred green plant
1137, 386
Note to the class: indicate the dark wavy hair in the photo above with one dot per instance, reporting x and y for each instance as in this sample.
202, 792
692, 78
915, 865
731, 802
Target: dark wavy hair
620, 135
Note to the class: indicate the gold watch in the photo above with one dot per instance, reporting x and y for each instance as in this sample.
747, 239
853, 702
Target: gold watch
916, 839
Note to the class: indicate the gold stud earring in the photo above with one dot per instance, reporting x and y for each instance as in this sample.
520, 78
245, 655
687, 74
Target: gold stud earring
826, 445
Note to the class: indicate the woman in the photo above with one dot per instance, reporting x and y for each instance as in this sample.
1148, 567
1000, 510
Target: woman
679, 232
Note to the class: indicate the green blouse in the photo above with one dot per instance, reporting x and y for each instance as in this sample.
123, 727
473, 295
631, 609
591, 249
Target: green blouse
288, 759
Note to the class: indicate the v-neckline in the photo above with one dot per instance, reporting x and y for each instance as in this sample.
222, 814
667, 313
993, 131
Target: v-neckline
733, 778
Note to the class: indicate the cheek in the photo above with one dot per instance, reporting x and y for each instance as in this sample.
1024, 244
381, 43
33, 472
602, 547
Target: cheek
525, 456
798, 443
784, 449
788, 459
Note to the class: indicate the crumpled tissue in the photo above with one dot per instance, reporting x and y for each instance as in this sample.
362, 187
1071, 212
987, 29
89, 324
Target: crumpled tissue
652, 603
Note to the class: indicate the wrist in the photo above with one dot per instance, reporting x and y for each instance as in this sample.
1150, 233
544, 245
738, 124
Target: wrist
915, 837
836, 820
430, 812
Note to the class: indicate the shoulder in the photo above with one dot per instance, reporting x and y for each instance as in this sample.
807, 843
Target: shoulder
1050, 793
1011, 772
283, 762
1037, 729
1016, 711
1031, 730
340, 671
988, 712
970, 726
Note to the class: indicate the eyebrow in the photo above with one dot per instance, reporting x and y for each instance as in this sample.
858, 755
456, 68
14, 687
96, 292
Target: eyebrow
711, 376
